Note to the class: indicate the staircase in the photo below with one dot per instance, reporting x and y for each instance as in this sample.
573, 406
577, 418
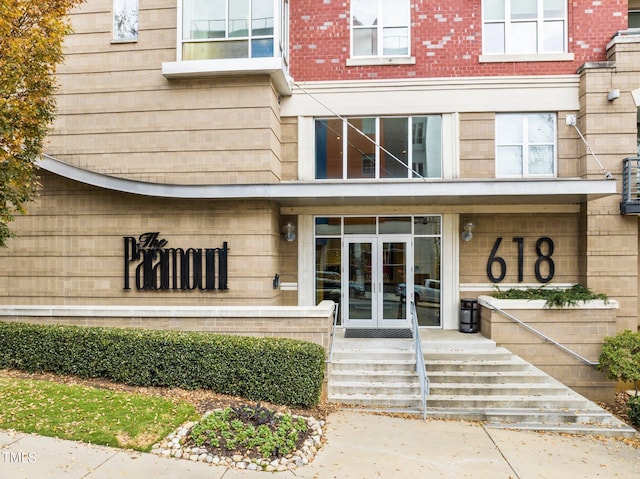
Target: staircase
471, 379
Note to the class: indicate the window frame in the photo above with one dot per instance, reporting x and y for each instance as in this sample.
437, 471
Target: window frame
526, 144
539, 20
380, 27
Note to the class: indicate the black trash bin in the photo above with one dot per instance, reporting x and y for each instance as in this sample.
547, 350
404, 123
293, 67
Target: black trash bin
469, 316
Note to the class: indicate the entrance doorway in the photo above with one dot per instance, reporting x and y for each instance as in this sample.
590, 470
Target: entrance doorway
373, 286
374, 267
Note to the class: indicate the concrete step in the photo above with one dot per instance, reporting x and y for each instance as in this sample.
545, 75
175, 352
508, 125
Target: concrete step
495, 401
621, 430
373, 388
380, 364
511, 365
495, 354
495, 389
406, 354
488, 377
387, 401
373, 376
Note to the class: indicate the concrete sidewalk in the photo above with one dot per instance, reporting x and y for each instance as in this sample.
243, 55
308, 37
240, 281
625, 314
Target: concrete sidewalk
358, 445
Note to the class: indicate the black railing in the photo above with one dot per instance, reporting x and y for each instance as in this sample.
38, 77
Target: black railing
630, 203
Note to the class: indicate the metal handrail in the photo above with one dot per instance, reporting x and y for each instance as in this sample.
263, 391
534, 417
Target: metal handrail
540, 334
421, 370
333, 331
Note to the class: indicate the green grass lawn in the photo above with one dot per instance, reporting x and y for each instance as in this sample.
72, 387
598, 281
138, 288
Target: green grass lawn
93, 415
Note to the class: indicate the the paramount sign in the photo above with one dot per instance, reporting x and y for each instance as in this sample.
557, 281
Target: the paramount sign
156, 267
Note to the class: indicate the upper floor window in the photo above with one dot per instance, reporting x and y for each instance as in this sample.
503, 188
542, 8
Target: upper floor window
380, 28
125, 20
222, 29
387, 147
525, 145
524, 26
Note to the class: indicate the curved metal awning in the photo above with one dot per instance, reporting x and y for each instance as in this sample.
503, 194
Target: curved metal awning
359, 192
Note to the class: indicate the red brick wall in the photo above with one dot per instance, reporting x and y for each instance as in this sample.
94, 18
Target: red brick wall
446, 40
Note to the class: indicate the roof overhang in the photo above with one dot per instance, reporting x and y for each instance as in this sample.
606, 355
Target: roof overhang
339, 193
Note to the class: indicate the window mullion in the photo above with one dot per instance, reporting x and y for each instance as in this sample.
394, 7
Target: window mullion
380, 29
345, 146
507, 27
525, 146
377, 147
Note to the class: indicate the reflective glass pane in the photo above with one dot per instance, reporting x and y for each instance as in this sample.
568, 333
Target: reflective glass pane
365, 42
634, 19
360, 225
542, 128
509, 129
524, 9
541, 160
329, 149
395, 13
395, 41
493, 10
553, 37
239, 18
394, 152
125, 19
524, 38
426, 225
493, 40
361, 149
328, 267
328, 226
262, 47
213, 50
261, 17
426, 146
364, 12
554, 8
509, 161
394, 275
203, 19
394, 225
426, 280
359, 275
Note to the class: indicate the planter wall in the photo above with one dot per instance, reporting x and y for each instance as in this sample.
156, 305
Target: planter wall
581, 328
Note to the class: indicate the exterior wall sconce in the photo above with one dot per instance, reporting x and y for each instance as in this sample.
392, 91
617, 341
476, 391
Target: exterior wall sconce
289, 230
467, 232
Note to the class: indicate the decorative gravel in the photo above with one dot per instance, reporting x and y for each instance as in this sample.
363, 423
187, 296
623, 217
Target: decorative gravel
172, 446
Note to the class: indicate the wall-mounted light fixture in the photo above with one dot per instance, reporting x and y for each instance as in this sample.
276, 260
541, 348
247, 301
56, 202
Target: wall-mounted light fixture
467, 231
289, 230
613, 94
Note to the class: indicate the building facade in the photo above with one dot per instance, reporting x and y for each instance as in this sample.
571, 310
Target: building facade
270, 154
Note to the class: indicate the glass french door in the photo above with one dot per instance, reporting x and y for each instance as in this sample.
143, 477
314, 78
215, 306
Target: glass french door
375, 281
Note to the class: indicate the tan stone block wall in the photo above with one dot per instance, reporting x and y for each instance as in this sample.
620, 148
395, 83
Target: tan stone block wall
70, 248
581, 330
563, 229
118, 115
477, 145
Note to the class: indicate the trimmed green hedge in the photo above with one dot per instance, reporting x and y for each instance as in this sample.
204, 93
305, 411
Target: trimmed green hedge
277, 370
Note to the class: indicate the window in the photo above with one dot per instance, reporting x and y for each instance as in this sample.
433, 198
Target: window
525, 145
380, 28
524, 26
125, 20
634, 18
219, 29
387, 147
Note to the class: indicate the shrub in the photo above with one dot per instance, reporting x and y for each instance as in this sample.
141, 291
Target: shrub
634, 410
555, 297
277, 370
620, 357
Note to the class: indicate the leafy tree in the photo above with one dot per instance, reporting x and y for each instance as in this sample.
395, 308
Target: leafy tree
31, 36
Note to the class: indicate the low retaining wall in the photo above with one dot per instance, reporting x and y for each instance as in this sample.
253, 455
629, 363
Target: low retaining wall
312, 323
580, 328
